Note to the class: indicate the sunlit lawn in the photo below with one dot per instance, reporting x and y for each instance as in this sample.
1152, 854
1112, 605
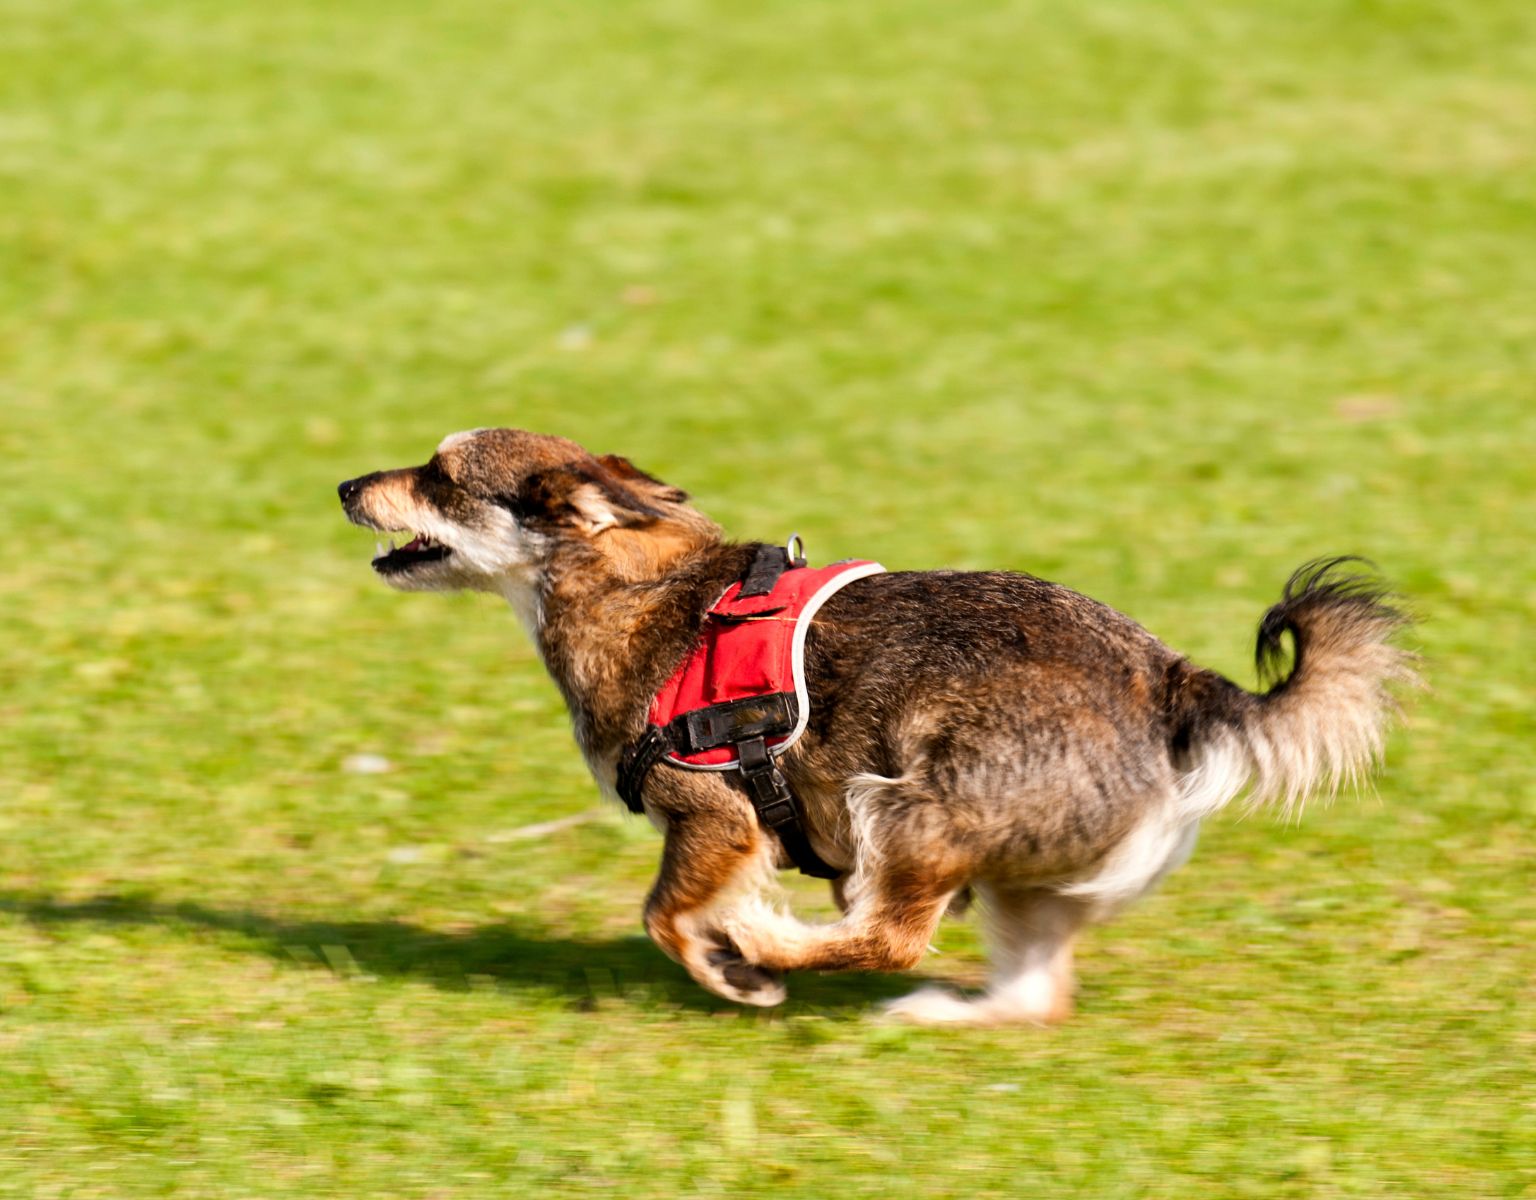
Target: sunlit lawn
1154, 297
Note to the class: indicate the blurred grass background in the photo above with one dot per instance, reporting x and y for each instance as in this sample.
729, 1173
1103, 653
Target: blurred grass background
1154, 297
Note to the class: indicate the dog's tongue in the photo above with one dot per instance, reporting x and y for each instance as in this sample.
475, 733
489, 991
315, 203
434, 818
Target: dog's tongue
413, 544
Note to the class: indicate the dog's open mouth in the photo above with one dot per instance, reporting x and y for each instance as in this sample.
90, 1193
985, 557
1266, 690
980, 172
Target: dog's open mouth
420, 549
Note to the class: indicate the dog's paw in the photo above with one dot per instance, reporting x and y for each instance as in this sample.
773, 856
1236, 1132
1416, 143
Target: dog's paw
732, 976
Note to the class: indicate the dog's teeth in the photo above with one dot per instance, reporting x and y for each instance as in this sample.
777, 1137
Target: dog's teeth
378, 549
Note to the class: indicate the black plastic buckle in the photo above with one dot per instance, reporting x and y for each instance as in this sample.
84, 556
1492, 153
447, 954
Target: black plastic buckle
775, 805
769, 793
733, 721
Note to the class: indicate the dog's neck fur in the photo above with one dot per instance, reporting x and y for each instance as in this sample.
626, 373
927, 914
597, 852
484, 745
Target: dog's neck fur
610, 634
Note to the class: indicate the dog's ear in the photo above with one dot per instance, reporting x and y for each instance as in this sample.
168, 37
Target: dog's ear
624, 470
591, 497
616, 493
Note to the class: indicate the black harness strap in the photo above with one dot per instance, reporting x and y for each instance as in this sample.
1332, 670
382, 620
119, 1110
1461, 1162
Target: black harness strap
756, 772
767, 565
636, 763
776, 808
728, 723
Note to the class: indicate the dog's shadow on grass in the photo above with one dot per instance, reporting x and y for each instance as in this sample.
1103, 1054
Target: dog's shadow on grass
504, 956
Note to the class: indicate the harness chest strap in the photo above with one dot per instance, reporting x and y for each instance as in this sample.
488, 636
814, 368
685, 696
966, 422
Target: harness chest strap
739, 699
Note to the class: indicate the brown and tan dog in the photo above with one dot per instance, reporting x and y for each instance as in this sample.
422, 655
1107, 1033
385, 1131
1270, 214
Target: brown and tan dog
986, 731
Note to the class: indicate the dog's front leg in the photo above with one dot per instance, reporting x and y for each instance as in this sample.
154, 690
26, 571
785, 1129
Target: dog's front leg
710, 856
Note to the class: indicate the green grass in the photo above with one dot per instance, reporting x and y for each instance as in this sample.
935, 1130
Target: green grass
1154, 297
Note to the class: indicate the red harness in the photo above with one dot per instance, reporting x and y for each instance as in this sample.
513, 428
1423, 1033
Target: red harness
739, 699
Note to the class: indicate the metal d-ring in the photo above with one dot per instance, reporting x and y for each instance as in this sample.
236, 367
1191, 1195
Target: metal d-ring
795, 548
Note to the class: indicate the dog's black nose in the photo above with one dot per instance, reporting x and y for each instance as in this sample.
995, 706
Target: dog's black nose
348, 488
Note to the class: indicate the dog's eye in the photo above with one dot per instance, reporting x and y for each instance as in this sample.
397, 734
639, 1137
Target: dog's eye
538, 496
435, 486
522, 507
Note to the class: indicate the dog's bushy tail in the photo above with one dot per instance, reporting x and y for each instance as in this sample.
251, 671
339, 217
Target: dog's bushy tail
1319, 727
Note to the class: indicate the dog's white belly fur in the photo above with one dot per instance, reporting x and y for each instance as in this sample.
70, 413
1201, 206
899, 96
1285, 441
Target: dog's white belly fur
1163, 841
1160, 844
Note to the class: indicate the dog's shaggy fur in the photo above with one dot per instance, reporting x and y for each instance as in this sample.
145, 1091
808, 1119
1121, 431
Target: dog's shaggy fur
968, 731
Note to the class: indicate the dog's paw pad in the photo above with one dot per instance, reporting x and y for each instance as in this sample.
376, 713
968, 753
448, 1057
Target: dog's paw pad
749, 983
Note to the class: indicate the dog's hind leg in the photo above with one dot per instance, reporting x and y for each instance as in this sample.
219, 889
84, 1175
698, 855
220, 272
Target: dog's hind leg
1030, 932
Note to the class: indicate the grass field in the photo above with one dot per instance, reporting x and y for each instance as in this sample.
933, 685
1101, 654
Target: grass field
1157, 298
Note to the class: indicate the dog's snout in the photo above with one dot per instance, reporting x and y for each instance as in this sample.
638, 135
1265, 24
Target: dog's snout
348, 488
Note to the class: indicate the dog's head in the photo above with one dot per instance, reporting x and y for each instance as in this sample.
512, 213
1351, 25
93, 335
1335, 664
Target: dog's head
492, 509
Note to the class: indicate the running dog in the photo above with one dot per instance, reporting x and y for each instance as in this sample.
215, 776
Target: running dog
983, 732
